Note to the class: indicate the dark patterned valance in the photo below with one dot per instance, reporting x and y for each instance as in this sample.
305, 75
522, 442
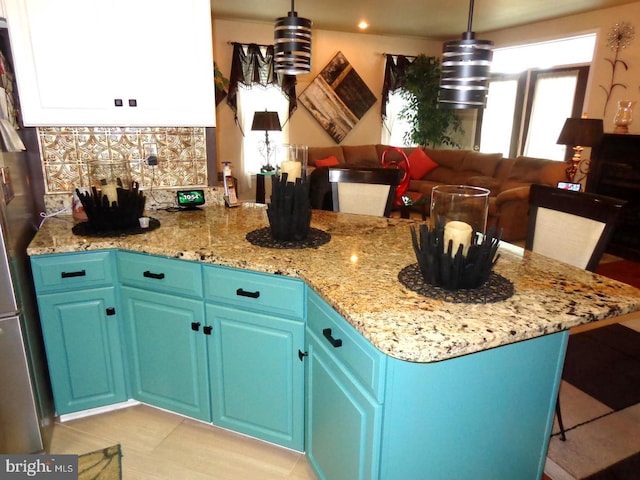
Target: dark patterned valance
250, 66
394, 77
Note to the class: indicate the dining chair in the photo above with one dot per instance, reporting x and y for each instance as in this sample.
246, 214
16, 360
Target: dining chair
572, 227
367, 191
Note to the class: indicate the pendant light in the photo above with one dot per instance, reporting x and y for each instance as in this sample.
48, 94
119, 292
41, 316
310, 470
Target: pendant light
292, 44
465, 70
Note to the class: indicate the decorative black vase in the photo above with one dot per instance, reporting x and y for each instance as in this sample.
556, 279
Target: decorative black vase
289, 212
442, 267
106, 214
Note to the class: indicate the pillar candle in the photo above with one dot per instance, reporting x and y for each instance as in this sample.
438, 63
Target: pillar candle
460, 233
111, 191
293, 169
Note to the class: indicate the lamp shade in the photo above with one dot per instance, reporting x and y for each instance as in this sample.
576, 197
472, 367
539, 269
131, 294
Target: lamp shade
585, 132
292, 44
267, 121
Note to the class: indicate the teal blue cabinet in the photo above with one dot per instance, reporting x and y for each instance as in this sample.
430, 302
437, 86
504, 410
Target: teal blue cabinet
257, 375
167, 351
80, 319
344, 415
256, 353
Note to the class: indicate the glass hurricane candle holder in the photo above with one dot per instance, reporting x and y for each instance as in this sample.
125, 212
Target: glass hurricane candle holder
294, 162
462, 211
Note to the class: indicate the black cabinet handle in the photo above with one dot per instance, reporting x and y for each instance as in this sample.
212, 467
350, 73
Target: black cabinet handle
207, 329
79, 273
243, 293
335, 342
302, 354
111, 311
157, 276
195, 326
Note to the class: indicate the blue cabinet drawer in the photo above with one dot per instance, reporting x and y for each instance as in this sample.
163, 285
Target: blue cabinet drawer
160, 274
256, 291
349, 348
72, 271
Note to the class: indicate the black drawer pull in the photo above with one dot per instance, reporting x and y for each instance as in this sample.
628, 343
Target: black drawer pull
195, 326
335, 342
243, 293
80, 273
157, 276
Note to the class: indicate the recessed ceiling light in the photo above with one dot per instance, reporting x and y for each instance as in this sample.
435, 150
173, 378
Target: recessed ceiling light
363, 25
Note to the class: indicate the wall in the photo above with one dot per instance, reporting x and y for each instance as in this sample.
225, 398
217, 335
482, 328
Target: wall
363, 51
600, 22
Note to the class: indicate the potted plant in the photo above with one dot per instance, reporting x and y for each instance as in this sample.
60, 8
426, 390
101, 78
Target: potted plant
431, 126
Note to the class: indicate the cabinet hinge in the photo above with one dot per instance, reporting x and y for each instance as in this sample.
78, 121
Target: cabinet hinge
302, 354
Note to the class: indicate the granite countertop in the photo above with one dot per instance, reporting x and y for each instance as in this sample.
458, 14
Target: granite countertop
357, 273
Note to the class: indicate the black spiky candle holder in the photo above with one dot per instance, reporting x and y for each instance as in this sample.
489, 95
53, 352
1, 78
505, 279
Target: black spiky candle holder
442, 267
289, 212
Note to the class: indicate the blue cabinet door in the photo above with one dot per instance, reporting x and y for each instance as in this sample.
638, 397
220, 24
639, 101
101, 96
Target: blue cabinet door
82, 340
257, 375
167, 351
343, 419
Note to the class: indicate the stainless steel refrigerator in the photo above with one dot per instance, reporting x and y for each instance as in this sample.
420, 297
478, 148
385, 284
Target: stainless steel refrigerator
26, 406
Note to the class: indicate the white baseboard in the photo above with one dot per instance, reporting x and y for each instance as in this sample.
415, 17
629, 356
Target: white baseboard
95, 411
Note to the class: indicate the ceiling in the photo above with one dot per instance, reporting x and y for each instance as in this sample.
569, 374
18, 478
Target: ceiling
422, 18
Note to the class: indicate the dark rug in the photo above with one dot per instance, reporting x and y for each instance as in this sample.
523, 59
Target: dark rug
624, 271
627, 469
605, 364
102, 464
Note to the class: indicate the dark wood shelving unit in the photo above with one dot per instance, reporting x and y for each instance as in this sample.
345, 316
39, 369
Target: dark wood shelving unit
615, 171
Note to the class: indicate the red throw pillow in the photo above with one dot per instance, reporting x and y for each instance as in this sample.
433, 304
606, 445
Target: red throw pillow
331, 161
420, 164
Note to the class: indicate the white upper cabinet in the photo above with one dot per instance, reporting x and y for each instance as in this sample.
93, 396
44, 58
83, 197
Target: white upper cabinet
113, 62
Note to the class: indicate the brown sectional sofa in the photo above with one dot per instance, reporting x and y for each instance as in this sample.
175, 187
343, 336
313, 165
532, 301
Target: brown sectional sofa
508, 179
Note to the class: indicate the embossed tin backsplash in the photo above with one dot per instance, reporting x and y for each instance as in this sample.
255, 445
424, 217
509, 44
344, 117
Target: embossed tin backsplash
66, 152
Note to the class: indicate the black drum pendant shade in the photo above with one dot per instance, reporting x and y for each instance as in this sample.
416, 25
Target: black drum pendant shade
465, 70
292, 44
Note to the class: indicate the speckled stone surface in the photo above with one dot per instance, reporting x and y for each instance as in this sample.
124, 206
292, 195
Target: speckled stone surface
357, 273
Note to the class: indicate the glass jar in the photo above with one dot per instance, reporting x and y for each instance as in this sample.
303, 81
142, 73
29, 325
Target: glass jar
294, 161
624, 116
109, 175
463, 211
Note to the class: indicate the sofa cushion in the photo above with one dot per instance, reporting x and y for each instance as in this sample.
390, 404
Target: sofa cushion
483, 163
361, 156
330, 161
420, 164
490, 183
317, 153
528, 170
447, 157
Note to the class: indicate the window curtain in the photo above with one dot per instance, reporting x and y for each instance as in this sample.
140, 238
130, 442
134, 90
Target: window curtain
251, 65
394, 77
393, 128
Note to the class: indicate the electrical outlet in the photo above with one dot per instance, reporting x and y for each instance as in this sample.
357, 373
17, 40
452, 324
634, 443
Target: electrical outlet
150, 154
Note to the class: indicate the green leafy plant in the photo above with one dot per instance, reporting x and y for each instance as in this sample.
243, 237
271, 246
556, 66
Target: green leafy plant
430, 126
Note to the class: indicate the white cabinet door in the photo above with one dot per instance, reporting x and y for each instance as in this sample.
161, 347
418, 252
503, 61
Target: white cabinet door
113, 62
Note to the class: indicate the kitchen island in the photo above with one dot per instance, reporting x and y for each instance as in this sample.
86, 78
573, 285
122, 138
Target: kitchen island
458, 390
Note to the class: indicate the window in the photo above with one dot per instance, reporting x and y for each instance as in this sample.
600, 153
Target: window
395, 130
531, 93
250, 100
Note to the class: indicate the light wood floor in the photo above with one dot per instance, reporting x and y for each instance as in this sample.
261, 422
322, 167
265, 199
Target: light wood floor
161, 445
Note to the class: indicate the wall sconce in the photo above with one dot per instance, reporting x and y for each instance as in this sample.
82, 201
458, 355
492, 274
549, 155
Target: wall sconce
465, 70
579, 133
292, 44
269, 122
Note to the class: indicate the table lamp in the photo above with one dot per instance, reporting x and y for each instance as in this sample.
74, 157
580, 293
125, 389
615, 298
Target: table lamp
579, 133
269, 122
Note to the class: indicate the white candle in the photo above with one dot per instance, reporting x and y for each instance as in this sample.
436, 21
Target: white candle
460, 233
111, 191
293, 169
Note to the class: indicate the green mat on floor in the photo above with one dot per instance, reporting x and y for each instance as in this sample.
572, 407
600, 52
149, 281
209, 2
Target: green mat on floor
102, 464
